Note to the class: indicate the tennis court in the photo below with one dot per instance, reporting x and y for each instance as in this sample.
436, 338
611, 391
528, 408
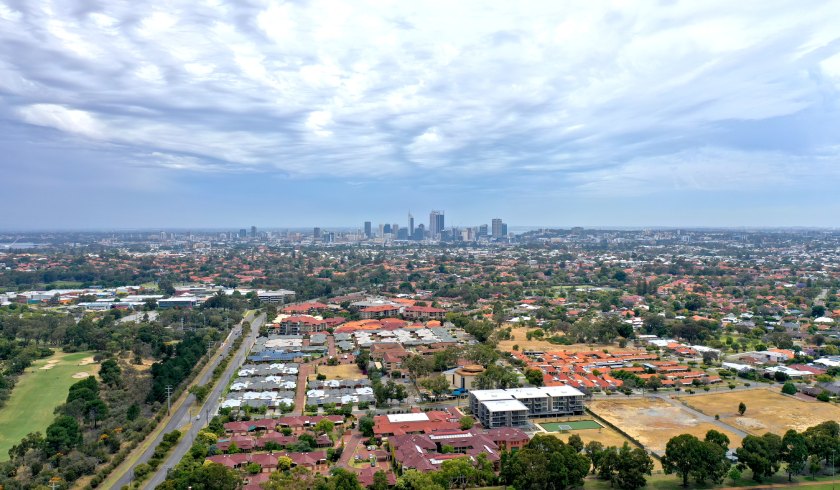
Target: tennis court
569, 425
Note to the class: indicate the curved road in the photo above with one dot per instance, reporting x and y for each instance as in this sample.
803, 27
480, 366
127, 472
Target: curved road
182, 415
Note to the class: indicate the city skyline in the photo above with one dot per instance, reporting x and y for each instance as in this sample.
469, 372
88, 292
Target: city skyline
644, 114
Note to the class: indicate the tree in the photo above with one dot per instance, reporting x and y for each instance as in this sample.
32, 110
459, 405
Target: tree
789, 388
417, 365
214, 476
415, 480
545, 463
63, 434
466, 422
482, 354
688, 456
682, 454
534, 377
653, 383
742, 407
324, 426
718, 438
630, 468
576, 442
380, 481
457, 472
366, 425
110, 373
761, 454
438, 385
344, 480
794, 452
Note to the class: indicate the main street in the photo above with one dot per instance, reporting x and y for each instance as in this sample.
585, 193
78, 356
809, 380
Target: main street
182, 416
208, 409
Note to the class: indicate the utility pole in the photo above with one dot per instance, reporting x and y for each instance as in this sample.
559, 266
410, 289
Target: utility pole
168, 399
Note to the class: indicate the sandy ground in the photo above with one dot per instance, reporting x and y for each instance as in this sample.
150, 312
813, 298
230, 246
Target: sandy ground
49, 365
342, 371
86, 361
81, 375
653, 422
520, 338
767, 411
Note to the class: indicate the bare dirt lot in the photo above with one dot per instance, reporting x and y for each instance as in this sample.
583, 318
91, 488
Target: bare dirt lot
520, 338
343, 371
767, 411
653, 421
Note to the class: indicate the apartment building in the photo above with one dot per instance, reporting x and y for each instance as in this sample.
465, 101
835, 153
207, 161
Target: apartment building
511, 408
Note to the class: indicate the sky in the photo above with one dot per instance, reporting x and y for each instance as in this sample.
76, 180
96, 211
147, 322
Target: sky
208, 113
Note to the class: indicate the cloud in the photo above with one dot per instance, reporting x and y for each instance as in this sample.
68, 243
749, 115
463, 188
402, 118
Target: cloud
590, 95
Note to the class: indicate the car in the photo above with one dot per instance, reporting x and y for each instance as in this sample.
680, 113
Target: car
373, 464
358, 457
371, 448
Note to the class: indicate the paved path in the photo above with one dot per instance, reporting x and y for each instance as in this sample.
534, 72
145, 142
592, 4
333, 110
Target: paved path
350, 444
331, 345
304, 369
702, 416
208, 409
124, 474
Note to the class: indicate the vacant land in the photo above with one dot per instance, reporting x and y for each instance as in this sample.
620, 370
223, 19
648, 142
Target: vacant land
520, 338
39, 390
767, 411
653, 421
343, 371
604, 435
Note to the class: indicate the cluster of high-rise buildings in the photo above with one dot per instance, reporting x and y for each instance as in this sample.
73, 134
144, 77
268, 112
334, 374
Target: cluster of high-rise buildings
436, 230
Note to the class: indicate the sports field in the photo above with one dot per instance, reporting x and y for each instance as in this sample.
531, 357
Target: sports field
570, 425
38, 391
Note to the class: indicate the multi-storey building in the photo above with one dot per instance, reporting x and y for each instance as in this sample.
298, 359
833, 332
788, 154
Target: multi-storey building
505, 408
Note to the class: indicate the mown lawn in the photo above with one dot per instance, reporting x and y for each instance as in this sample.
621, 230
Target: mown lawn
35, 396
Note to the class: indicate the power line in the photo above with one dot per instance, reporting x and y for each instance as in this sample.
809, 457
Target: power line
168, 399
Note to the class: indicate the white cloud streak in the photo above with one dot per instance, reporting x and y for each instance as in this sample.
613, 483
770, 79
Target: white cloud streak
603, 92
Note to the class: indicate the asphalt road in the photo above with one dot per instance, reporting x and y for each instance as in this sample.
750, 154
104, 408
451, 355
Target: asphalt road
210, 407
182, 415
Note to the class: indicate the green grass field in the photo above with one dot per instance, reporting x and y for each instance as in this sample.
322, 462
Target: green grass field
35, 396
574, 424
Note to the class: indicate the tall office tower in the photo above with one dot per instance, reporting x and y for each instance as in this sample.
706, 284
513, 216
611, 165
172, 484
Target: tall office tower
395, 228
482, 230
243, 233
316, 232
419, 232
436, 223
386, 228
504, 230
253, 232
410, 225
368, 230
496, 227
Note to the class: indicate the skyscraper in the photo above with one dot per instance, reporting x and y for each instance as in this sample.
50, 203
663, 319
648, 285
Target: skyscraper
253, 232
496, 227
436, 223
316, 232
368, 230
243, 233
410, 225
